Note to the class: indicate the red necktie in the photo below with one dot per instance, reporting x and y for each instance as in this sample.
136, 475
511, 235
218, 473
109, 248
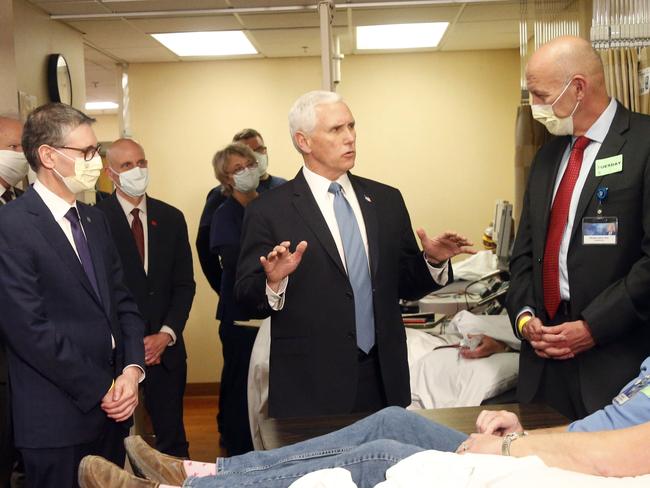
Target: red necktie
557, 225
138, 232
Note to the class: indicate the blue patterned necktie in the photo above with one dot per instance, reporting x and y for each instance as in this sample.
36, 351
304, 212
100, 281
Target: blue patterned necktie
82, 247
356, 263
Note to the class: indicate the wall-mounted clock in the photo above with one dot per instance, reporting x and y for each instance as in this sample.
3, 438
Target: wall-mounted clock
59, 83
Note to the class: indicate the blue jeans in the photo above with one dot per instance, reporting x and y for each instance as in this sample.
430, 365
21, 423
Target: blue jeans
366, 448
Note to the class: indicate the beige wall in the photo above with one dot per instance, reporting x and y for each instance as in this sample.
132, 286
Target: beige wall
9, 93
36, 36
107, 127
439, 126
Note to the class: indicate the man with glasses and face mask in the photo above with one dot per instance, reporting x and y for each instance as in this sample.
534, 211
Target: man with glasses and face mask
577, 299
151, 237
13, 168
209, 262
73, 332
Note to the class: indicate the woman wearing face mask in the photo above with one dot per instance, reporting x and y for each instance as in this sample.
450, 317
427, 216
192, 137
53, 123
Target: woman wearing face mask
236, 167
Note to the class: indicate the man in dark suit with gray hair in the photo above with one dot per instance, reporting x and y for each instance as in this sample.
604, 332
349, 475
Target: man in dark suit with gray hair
337, 339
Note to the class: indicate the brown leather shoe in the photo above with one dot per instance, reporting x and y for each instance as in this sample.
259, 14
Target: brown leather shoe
153, 465
97, 472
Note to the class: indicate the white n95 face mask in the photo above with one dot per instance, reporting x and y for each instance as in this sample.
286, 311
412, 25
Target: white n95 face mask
133, 182
247, 180
13, 166
558, 126
262, 163
86, 173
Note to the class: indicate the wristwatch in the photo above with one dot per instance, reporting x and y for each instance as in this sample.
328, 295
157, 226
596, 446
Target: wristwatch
508, 439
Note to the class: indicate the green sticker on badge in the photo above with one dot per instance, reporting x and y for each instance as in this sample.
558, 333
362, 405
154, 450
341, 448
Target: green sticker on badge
608, 166
646, 391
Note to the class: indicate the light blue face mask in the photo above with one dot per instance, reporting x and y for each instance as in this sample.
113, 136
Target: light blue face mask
246, 180
262, 163
134, 181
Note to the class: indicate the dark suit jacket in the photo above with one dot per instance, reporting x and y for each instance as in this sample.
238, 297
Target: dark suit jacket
57, 330
164, 295
610, 285
313, 364
3, 354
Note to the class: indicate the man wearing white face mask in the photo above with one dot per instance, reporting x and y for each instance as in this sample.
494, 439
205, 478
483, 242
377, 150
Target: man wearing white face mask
579, 301
13, 165
254, 140
151, 237
73, 331
13, 168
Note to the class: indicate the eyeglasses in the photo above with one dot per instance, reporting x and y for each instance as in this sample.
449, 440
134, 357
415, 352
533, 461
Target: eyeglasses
89, 152
240, 170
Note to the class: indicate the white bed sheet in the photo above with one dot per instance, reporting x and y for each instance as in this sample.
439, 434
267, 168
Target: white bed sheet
440, 378
448, 470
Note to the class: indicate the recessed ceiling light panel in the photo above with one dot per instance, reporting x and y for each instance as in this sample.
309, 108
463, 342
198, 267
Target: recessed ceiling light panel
216, 43
101, 105
400, 36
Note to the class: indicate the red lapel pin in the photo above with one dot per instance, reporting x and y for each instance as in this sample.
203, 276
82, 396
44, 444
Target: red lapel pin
154, 223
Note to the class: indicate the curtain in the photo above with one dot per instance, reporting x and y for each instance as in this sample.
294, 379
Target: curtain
624, 68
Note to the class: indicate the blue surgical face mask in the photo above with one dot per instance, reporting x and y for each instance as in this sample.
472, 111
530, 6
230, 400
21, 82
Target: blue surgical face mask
262, 163
246, 180
134, 181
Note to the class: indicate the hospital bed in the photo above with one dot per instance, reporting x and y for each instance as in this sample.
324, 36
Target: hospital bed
439, 377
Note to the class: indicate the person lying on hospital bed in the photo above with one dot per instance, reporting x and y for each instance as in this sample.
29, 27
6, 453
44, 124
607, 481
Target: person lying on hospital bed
613, 441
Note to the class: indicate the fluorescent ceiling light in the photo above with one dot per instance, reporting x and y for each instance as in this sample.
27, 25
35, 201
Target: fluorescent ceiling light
101, 105
218, 43
400, 36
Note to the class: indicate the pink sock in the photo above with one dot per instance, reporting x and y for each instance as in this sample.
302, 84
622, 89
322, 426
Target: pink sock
193, 468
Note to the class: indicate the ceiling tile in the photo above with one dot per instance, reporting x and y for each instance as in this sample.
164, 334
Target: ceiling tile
108, 34
490, 12
58, 7
143, 55
187, 24
123, 6
404, 16
482, 35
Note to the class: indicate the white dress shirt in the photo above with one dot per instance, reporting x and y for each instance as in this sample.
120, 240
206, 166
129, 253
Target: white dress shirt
597, 133
59, 207
128, 207
319, 186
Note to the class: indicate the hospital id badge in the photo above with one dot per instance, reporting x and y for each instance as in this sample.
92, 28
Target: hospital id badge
599, 231
632, 389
